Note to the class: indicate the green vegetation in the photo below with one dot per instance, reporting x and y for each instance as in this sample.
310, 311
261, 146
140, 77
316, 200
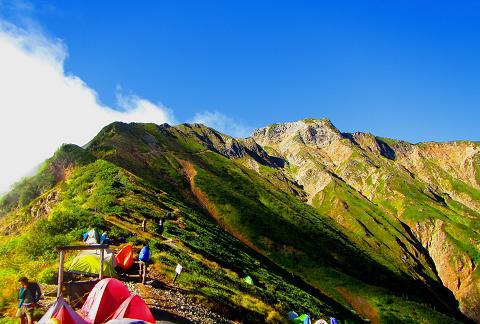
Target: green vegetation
344, 256
25, 190
311, 120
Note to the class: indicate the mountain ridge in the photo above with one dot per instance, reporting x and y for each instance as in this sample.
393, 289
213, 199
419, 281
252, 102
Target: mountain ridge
351, 197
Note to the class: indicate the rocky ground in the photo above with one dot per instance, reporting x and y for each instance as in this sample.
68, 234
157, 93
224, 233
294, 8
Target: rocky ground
171, 304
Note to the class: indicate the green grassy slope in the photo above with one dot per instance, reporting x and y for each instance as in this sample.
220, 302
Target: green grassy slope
228, 221
112, 198
276, 224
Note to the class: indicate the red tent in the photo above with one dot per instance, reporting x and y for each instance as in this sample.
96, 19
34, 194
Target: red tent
63, 316
107, 295
61, 311
134, 307
124, 258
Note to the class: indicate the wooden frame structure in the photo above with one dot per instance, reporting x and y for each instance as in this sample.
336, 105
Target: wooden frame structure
63, 249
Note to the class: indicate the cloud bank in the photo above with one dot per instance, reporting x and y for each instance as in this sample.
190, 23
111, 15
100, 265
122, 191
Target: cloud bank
42, 107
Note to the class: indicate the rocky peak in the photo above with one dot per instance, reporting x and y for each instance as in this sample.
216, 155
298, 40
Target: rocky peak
319, 132
229, 146
373, 144
212, 139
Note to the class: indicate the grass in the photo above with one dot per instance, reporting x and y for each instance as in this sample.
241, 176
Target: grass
100, 190
252, 221
300, 257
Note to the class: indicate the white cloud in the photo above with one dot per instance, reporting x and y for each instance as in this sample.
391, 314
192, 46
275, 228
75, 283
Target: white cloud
222, 123
137, 108
42, 107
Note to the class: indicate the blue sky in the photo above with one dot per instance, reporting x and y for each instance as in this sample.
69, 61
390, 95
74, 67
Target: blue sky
403, 69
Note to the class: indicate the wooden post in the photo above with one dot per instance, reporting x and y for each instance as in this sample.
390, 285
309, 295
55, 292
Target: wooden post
60, 274
100, 272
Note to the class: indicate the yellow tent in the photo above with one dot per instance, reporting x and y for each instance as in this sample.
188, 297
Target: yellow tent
89, 263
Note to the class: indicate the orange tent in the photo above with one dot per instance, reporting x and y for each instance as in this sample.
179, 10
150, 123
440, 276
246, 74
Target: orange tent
124, 258
104, 299
134, 307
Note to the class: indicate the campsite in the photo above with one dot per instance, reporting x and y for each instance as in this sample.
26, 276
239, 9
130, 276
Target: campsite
96, 284
86, 294
95, 287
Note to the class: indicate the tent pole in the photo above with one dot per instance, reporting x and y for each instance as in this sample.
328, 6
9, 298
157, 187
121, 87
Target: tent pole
100, 272
60, 274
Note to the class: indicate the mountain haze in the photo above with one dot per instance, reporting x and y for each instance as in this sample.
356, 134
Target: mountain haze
338, 224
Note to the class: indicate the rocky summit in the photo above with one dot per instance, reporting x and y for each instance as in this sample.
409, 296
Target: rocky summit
333, 224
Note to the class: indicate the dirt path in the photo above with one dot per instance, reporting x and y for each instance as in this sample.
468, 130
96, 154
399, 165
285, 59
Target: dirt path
202, 198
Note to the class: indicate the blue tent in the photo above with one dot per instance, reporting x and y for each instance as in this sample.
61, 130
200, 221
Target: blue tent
292, 315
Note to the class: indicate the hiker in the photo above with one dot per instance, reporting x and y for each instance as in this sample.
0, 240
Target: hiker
144, 224
28, 295
160, 227
144, 259
90, 236
104, 239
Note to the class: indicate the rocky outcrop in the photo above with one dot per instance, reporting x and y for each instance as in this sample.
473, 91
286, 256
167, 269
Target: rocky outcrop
454, 266
373, 144
310, 147
451, 168
316, 132
44, 204
229, 146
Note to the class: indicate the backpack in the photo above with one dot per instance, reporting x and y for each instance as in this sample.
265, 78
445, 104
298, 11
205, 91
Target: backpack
144, 254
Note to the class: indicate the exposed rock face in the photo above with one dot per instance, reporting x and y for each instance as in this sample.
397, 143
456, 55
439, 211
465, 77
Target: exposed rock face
44, 205
317, 132
370, 143
447, 167
303, 144
454, 267
229, 146
434, 188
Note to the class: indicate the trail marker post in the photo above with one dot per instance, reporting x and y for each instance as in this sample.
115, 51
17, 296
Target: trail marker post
178, 270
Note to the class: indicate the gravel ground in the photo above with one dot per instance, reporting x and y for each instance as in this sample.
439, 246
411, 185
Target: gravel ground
171, 305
